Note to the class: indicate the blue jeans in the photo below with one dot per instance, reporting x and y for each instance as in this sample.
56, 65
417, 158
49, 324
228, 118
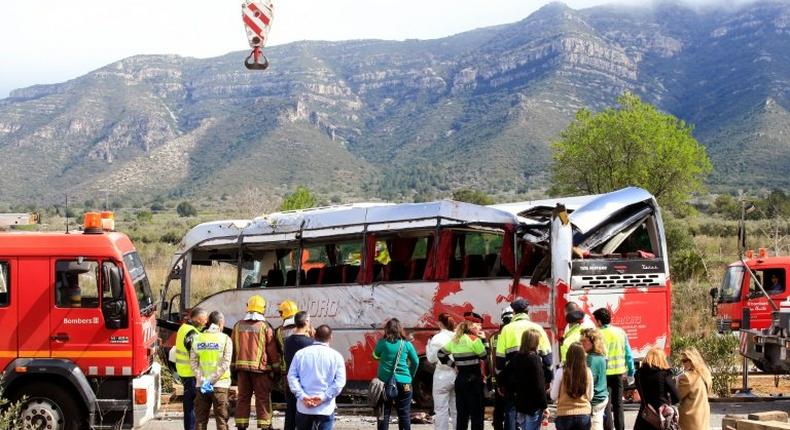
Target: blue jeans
314, 422
573, 422
530, 422
510, 415
403, 405
189, 402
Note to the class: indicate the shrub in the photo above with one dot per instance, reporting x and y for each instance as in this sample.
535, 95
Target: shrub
186, 209
144, 216
171, 237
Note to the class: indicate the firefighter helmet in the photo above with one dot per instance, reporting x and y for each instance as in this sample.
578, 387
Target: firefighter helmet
256, 303
288, 308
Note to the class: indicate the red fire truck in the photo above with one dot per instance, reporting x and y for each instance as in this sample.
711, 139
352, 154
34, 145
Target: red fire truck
79, 331
742, 287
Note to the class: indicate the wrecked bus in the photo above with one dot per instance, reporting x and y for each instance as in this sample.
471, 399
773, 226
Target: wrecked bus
355, 266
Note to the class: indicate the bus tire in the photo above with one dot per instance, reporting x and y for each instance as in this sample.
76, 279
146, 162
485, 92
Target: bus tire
423, 385
50, 405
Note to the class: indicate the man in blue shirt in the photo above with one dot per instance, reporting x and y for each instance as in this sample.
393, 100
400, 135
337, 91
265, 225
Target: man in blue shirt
316, 376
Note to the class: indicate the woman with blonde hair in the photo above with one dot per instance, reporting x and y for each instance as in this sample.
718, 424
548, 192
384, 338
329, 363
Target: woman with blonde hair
694, 386
572, 389
655, 385
592, 341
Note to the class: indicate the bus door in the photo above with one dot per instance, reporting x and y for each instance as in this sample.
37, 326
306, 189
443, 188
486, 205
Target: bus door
774, 282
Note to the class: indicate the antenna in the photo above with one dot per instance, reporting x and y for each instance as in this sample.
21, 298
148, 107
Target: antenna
66, 212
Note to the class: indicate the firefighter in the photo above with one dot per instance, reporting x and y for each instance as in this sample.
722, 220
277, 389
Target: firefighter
619, 363
465, 352
210, 359
499, 394
257, 364
184, 337
508, 344
287, 310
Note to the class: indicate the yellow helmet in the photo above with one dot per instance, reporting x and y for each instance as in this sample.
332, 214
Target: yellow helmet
288, 308
256, 303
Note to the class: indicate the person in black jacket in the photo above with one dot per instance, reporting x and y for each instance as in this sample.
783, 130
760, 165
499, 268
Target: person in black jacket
527, 384
655, 384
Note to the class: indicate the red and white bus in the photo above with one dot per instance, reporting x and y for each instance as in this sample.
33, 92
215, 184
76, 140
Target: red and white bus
355, 266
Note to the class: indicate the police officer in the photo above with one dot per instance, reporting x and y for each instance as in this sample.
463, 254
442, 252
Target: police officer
508, 344
465, 352
210, 358
619, 362
499, 394
573, 332
257, 363
184, 337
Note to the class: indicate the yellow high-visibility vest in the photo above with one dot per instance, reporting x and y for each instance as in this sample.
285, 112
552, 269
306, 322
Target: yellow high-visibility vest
509, 340
614, 339
574, 334
182, 355
209, 348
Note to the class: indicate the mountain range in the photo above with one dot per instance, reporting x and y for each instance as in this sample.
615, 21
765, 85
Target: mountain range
404, 119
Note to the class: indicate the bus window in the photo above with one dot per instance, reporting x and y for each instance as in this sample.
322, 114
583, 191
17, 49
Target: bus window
266, 268
476, 255
401, 258
332, 263
639, 240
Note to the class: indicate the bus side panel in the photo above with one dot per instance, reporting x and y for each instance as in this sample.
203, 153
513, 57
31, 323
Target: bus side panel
35, 304
8, 311
642, 312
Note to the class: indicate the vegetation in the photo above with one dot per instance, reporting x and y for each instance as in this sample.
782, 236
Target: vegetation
633, 145
302, 198
10, 414
720, 353
472, 196
185, 209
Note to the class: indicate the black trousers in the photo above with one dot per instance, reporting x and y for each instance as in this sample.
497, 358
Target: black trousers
614, 418
469, 400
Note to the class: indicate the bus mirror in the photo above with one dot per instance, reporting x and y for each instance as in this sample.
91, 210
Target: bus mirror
175, 273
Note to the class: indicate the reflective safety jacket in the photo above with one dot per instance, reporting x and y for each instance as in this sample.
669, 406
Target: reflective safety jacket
464, 354
281, 333
255, 346
618, 351
182, 354
574, 334
509, 340
211, 349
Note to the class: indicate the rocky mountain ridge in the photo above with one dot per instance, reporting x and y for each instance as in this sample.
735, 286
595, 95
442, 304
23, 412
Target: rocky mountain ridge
403, 119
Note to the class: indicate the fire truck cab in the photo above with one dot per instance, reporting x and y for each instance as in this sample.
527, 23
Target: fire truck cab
79, 331
740, 288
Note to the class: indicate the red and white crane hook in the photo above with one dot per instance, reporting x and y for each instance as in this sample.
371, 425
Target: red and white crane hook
257, 16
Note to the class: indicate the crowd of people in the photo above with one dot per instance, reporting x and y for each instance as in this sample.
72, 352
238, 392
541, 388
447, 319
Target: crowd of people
516, 365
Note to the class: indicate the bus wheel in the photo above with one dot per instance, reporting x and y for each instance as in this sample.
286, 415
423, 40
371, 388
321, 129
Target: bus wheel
48, 406
423, 385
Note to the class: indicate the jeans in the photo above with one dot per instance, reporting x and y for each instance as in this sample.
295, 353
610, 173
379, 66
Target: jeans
614, 418
314, 422
403, 405
530, 421
469, 400
509, 414
572, 422
189, 402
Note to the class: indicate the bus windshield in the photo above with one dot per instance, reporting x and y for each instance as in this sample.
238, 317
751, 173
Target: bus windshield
731, 285
142, 289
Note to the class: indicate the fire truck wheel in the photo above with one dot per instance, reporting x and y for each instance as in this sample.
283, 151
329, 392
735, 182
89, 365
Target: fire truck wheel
48, 406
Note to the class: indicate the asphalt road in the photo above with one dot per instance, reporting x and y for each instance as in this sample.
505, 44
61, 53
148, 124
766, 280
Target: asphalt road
351, 422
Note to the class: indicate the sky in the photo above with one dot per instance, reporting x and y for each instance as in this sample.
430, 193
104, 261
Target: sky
51, 41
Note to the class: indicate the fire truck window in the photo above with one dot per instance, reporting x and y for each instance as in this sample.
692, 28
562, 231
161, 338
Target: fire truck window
773, 281
76, 284
5, 283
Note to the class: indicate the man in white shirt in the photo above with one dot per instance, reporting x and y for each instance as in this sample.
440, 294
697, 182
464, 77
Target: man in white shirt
316, 377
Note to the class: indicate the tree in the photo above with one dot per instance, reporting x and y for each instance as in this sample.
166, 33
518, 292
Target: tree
634, 145
301, 198
472, 196
186, 209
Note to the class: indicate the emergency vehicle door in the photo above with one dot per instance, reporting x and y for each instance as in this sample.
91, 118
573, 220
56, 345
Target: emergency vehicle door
82, 329
773, 280
8, 312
